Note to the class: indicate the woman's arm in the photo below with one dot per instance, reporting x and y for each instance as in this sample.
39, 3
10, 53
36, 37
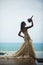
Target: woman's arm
20, 34
30, 26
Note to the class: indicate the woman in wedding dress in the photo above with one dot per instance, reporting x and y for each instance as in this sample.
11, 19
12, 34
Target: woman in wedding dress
26, 49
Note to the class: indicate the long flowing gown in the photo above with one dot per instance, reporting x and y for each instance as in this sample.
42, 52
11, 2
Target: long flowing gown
27, 48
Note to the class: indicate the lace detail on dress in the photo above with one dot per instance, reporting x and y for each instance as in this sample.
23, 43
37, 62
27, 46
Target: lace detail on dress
26, 36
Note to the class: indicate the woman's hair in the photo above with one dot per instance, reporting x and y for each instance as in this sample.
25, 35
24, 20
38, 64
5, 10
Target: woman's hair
23, 25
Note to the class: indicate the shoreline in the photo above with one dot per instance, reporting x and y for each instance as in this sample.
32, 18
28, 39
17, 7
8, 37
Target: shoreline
10, 54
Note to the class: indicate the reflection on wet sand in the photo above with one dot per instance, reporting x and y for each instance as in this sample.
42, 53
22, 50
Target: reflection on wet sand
25, 62
17, 61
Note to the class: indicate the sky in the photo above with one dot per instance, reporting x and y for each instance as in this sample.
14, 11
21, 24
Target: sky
13, 12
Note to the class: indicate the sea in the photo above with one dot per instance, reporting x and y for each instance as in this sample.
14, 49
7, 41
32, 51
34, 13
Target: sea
16, 46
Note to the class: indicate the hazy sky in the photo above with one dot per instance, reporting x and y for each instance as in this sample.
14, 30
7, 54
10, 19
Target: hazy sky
12, 12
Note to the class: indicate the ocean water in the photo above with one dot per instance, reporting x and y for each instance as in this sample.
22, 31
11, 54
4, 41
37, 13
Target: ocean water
16, 46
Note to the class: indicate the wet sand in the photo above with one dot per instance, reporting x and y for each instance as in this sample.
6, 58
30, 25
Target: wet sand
9, 59
17, 61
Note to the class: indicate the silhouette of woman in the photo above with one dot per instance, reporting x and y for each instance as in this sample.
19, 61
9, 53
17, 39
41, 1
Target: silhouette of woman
26, 49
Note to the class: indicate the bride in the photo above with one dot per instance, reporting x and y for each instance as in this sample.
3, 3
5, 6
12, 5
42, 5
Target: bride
26, 49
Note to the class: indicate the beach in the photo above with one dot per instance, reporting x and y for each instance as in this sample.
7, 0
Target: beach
15, 61
9, 59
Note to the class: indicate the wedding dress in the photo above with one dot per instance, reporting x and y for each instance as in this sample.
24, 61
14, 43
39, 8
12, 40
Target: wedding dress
27, 48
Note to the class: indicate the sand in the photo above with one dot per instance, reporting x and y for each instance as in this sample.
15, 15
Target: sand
16, 61
9, 59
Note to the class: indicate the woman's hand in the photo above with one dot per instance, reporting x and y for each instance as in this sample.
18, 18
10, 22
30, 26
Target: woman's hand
19, 34
23, 36
30, 19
